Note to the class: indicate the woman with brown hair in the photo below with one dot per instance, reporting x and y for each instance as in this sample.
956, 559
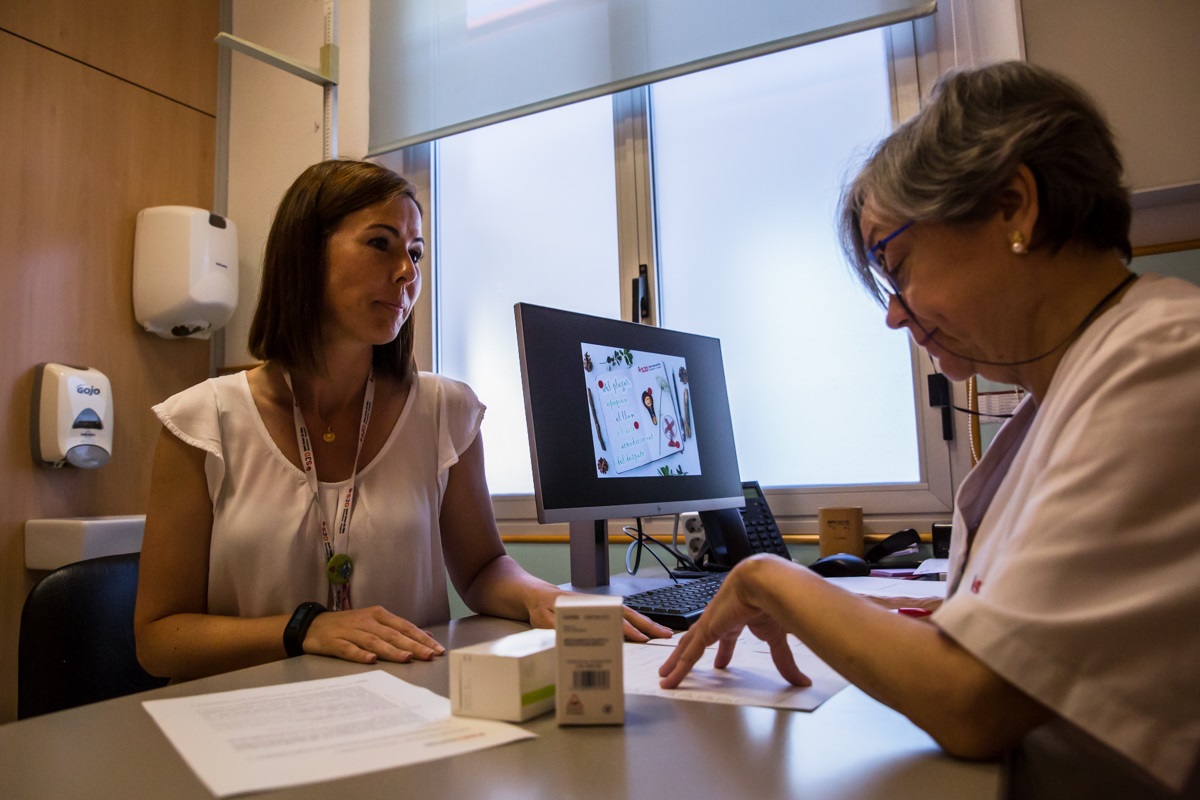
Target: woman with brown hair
315, 504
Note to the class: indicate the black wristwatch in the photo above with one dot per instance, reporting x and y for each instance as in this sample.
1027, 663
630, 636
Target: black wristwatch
297, 627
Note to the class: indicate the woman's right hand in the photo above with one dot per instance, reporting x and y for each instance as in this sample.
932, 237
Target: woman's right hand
722, 622
368, 634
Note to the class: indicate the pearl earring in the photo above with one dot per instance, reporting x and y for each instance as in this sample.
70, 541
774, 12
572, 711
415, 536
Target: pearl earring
1017, 240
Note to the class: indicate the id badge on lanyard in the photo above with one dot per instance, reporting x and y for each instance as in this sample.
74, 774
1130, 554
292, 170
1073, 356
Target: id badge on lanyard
339, 567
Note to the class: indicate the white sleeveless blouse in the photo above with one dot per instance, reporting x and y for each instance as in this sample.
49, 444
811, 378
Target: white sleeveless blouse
266, 555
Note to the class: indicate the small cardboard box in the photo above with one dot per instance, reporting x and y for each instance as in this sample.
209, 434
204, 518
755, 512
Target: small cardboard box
510, 679
591, 679
841, 530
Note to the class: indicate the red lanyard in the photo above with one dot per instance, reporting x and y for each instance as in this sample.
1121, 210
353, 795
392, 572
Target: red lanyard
339, 567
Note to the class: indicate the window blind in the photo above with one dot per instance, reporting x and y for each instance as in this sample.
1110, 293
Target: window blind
440, 67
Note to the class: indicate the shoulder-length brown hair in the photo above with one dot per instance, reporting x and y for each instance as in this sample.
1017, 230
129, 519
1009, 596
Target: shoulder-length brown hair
286, 325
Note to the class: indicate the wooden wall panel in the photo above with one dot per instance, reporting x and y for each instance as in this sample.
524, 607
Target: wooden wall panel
166, 47
83, 153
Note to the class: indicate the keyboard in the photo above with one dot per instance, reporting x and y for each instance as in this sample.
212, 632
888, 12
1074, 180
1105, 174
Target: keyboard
679, 605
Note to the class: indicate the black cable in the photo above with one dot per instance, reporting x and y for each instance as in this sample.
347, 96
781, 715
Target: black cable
639, 543
1070, 337
642, 540
980, 414
682, 558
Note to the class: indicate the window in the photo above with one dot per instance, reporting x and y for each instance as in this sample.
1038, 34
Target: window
745, 200
742, 165
525, 212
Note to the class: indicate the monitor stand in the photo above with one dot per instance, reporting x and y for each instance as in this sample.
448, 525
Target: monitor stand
589, 553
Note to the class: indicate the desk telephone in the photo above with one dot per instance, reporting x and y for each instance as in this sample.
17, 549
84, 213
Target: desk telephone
732, 534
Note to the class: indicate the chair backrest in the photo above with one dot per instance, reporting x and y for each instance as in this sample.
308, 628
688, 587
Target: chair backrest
76, 641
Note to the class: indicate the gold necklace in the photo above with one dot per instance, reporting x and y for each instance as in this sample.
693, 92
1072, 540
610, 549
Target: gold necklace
329, 435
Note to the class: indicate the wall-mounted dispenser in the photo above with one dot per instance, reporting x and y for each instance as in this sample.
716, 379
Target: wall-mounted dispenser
185, 271
71, 420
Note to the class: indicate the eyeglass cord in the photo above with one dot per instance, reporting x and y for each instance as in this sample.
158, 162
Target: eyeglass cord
1070, 337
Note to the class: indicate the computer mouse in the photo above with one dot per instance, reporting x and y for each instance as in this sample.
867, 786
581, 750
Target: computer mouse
840, 565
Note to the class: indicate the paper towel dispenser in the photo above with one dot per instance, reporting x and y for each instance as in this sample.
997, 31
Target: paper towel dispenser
185, 271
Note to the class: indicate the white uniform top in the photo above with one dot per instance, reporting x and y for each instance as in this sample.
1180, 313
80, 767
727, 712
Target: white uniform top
266, 555
1075, 553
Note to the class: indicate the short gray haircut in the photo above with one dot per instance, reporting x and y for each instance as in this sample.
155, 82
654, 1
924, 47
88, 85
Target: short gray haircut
951, 162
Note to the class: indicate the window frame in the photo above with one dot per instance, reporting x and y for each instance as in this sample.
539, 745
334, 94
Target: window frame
912, 64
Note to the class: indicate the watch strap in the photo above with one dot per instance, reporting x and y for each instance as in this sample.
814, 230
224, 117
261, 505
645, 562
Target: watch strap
297, 627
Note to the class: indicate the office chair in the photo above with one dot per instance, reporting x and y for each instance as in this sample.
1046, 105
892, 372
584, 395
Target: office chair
76, 641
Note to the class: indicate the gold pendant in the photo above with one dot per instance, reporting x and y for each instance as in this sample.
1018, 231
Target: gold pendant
329, 435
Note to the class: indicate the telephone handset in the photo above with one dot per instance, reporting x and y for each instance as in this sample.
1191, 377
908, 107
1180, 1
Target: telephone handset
732, 534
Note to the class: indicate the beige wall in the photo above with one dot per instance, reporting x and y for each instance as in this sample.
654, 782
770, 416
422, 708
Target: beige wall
1139, 61
106, 107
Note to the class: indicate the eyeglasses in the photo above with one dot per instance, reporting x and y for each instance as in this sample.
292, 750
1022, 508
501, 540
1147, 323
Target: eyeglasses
877, 259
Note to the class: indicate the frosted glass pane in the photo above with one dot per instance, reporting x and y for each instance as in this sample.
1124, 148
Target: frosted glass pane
439, 67
749, 159
526, 212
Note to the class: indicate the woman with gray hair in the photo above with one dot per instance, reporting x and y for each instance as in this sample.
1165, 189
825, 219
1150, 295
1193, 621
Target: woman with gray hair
995, 229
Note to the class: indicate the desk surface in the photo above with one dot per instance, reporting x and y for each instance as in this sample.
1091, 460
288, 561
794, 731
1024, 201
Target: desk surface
851, 747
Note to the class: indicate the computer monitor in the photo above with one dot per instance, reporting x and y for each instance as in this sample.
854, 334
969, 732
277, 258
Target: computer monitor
625, 420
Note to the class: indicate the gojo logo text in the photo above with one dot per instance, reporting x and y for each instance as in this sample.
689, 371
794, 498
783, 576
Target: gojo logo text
87, 390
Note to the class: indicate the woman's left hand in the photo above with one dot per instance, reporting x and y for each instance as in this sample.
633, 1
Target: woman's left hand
637, 627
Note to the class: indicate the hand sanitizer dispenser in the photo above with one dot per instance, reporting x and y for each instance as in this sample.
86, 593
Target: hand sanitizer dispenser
185, 271
71, 421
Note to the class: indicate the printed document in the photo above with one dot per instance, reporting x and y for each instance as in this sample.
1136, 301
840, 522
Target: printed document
254, 740
751, 678
891, 587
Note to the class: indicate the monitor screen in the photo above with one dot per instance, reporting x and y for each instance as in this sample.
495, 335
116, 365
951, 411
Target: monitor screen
625, 420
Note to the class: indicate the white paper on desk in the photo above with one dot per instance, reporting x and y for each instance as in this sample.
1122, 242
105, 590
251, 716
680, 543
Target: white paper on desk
933, 566
891, 587
253, 740
751, 678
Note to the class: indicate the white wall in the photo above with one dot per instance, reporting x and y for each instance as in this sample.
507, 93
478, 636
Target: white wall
971, 33
275, 125
1138, 65
1140, 62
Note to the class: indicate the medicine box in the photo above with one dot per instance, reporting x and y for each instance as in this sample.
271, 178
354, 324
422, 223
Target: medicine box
591, 685
509, 679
